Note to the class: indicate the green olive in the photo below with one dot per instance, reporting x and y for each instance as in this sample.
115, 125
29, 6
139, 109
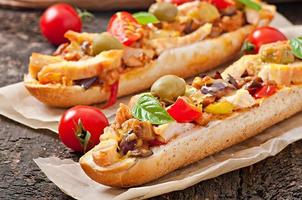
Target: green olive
168, 88
164, 11
105, 42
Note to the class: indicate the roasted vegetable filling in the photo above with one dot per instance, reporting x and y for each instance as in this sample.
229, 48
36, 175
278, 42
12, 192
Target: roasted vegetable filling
142, 37
155, 118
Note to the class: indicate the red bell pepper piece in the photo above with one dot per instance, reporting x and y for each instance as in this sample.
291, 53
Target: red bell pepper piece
266, 91
184, 112
113, 95
222, 4
178, 2
156, 142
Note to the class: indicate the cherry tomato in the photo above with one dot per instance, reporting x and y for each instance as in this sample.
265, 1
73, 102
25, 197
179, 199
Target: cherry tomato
81, 126
222, 4
184, 112
260, 36
124, 27
266, 91
57, 20
178, 2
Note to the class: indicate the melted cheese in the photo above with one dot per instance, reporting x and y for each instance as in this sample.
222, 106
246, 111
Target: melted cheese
282, 74
75, 70
241, 99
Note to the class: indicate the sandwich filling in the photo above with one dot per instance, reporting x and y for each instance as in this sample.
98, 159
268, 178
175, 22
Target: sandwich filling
171, 107
132, 41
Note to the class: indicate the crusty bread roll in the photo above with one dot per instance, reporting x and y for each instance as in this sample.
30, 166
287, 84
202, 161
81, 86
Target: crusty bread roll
198, 142
184, 61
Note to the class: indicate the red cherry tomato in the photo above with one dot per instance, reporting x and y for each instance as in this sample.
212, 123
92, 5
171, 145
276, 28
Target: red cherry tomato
178, 2
261, 36
266, 91
124, 27
57, 20
222, 4
81, 126
184, 112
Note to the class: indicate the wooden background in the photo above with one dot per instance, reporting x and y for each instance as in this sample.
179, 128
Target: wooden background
93, 4
278, 177
86, 4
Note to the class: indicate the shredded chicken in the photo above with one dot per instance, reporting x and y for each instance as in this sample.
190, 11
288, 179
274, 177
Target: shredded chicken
143, 130
161, 44
79, 37
232, 23
99, 65
122, 114
37, 61
205, 119
137, 57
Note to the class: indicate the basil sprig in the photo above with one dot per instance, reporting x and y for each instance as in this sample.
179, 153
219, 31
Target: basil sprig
251, 4
296, 47
148, 108
145, 18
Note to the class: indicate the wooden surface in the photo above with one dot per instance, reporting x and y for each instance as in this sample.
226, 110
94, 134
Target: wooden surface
84, 4
278, 177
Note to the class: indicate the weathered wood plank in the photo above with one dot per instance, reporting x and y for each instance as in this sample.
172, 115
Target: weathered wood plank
277, 177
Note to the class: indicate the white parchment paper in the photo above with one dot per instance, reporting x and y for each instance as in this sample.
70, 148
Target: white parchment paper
18, 105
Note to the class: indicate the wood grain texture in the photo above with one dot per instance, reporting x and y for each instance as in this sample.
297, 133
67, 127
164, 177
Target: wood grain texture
278, 177
83, 4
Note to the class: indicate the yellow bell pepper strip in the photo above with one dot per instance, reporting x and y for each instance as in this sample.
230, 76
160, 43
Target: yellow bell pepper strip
220, 108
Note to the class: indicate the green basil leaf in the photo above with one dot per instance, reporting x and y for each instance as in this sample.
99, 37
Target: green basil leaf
148, 108
145, 18
251, 4
296, 46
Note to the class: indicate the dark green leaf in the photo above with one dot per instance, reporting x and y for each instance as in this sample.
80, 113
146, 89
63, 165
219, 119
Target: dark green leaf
148, 108
251, 4
83, 135
248, 47
145, 18
296, 46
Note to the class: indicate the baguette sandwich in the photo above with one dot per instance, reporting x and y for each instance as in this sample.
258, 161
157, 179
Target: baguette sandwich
177, 124
137, 49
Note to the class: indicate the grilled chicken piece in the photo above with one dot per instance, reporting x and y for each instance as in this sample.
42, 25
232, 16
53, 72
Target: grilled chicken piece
79, 37
70, 70
122, 114
232, 23
137, 57
161, 44
37, 61
143, 130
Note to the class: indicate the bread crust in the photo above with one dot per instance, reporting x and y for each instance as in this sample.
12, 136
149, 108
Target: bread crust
200, 142
184, 62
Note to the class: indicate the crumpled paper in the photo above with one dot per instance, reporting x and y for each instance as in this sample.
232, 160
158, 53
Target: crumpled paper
17, 104
71, 179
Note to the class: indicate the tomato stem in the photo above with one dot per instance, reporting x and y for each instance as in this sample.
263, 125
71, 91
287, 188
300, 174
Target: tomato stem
84, 14
82, 135
248, 47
